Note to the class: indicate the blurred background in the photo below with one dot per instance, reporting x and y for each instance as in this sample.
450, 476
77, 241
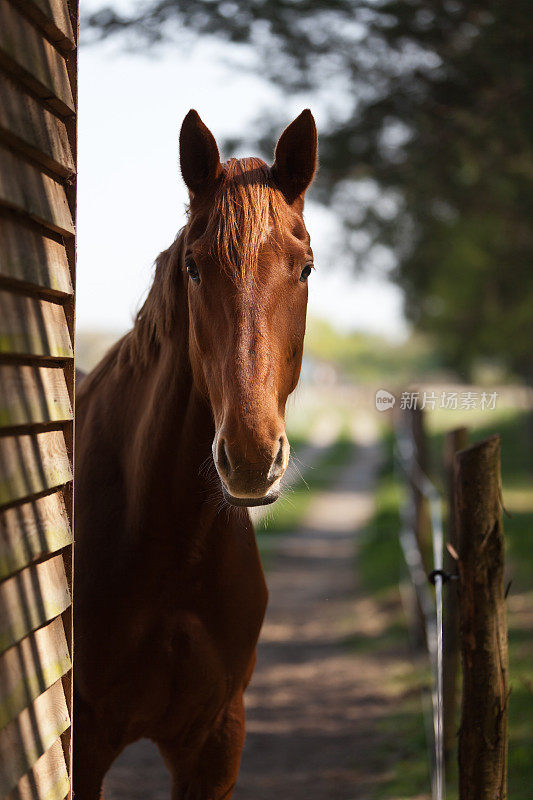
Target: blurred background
420, 220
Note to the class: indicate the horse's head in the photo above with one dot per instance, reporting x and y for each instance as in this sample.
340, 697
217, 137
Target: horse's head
247, 260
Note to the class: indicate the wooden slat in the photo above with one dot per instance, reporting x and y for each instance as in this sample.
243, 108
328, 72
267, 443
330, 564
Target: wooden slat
32, 395
31, 464
33, 327
30, 127
30, 531
48, 780
52, 17
33, 259
30, 667
25, 53
30, 598
24, 188
31, 734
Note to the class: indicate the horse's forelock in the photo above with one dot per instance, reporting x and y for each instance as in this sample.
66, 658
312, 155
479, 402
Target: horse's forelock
246, 208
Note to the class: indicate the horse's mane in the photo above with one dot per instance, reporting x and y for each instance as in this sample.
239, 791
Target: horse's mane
246, 208
157, 317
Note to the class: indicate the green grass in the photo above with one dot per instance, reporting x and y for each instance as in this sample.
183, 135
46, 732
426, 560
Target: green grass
380, 556
404, 739
379, 567
518, 498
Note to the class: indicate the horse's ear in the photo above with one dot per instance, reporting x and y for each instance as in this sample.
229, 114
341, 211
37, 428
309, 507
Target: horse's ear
295, 157
199, 156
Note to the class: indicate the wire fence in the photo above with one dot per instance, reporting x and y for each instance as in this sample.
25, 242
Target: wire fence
431, 608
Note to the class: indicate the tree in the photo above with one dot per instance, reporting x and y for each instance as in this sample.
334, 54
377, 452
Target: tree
429, 154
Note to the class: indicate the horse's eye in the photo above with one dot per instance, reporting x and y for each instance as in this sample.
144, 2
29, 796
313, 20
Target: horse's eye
192, 269
306, 272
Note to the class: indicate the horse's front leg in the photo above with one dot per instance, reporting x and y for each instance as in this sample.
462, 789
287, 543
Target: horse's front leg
93, 752
212, 774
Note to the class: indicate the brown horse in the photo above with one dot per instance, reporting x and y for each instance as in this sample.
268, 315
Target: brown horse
170, 594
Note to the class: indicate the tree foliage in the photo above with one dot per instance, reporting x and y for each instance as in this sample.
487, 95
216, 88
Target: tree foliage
428, 148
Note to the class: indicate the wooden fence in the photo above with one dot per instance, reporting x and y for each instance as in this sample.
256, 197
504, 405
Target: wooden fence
38, 83
474, 621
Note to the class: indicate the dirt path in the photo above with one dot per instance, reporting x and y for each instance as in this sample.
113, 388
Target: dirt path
313, 703
310, 700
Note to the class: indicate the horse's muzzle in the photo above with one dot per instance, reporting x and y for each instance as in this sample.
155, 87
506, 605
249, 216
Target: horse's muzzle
250, 502
250, 470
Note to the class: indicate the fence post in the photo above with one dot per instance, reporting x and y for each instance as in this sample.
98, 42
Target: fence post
454, 440
483, 732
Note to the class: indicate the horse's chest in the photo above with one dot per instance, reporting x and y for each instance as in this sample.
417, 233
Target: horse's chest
172, 649
175, 669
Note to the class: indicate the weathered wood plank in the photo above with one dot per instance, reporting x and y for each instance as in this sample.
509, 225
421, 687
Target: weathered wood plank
31, 734
34, 130
33, 327
47, 780
52, 17
31, 531
28, 257
30, 598
30, 667
31, 464
24, 188
32, 395
24, 52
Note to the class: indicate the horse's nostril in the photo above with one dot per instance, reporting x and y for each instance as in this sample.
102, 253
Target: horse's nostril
276, 470
279, 458
249, 468
223, 460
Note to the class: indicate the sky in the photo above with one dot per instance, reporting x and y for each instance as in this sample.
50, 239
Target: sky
131, 198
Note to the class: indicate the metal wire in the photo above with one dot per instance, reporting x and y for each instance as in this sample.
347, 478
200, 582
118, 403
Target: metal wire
432, 611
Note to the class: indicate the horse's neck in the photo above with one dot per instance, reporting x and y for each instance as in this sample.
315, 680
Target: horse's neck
175, 425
